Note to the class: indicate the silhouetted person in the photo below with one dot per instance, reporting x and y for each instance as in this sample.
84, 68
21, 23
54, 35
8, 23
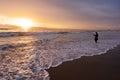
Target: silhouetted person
96, 37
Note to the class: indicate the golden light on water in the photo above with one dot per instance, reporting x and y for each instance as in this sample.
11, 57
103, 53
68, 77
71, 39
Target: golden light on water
23, 23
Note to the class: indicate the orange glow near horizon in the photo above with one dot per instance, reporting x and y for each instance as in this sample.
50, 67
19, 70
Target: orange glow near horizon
23, 22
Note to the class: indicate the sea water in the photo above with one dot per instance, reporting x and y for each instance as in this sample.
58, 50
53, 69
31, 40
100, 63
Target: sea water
28, 56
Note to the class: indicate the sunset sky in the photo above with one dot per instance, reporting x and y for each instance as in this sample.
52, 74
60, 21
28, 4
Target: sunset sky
82, 14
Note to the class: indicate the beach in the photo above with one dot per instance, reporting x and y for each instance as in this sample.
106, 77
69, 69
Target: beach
99, 67
60, 56
60, 40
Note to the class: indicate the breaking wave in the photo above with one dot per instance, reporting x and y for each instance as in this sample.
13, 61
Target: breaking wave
28, 57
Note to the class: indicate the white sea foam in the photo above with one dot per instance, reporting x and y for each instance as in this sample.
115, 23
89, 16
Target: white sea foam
26, 57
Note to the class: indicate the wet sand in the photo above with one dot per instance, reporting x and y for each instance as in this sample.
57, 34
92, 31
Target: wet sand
99, 67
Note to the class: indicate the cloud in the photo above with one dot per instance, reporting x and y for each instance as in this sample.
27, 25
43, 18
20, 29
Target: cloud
95, 12
73, 13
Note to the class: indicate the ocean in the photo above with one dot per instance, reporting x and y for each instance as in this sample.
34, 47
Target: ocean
26, 56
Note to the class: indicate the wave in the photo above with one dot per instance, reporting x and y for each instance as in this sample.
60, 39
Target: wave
29, 60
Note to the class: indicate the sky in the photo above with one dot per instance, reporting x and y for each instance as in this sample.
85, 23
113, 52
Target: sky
78, 14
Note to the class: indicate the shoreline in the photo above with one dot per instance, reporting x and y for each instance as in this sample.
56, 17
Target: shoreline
98, 67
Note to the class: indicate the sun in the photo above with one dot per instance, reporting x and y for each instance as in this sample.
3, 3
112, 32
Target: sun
23, 22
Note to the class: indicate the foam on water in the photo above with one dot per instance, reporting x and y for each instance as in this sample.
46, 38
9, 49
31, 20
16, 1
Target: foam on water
27, 59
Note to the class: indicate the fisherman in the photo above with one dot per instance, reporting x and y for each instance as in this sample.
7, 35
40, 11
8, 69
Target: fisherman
96, 37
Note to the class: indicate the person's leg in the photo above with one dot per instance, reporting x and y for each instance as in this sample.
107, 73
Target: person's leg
95, 40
